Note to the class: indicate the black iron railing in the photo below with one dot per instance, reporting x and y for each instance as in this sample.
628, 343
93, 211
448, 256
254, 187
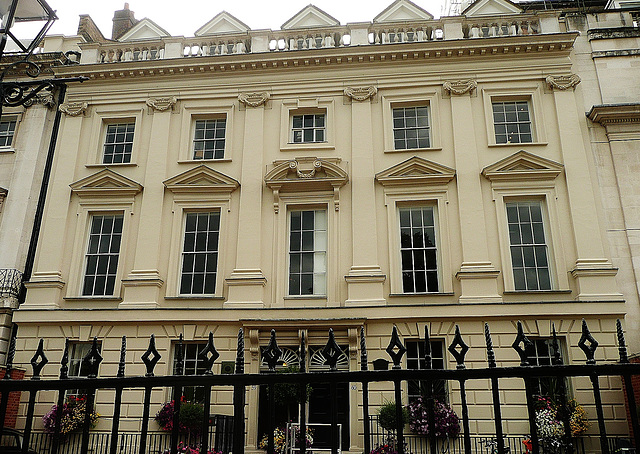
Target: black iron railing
240, 382
10, 282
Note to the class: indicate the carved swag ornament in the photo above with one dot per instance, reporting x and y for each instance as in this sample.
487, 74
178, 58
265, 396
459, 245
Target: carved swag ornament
162, 104
361, 93
254, 99
74, 109
563, 82
460, 87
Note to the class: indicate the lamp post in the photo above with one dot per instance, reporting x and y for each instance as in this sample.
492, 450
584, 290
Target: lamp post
17, 93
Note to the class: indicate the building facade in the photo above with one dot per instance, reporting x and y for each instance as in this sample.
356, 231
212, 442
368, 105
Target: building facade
404, 172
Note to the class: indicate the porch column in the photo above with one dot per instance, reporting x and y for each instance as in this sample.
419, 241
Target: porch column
246, 282
593, 271
141, 288
365, 278
478, 277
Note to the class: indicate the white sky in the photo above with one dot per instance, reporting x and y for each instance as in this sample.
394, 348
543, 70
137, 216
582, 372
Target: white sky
184, 17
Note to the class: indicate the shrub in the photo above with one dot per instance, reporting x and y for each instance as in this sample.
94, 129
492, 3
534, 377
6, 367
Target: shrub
387, 416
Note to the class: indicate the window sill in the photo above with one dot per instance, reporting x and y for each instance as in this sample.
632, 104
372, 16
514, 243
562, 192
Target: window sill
198, 161
411, 150
406, 295
194, 297
7, 150
305, 297
536, 292
307, 146
82, 298
521, 144
117, 164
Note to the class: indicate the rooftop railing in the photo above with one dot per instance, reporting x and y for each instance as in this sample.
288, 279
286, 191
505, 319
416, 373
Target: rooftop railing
350, 35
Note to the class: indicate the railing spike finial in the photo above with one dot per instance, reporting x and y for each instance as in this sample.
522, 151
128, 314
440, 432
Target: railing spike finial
396, 349
64, 362
123, 355
208, 355
555, 344
587, 343
151, 357
303, 353
272, 353
240, 352
491, 355
92, 359
428, 361
11, 353
331, 351
622, 345
522, 345
38, 361
364, 362
180, 355
458, 349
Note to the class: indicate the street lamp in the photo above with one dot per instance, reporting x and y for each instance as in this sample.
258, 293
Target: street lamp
24, 11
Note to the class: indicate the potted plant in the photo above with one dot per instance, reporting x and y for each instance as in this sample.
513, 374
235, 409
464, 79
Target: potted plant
387, 416
72, 416
189, 420
446, 422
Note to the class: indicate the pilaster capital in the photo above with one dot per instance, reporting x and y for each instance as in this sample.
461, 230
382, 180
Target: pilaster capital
361, 93
254, 99
162, 104
460, 87
45, 99
563, 82
74, 109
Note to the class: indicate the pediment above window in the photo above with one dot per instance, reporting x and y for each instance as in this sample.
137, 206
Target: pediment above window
402, 10
523, 166
310, 17
415, 171
222, 23
306, 174
491, 8
201, 179
105, 183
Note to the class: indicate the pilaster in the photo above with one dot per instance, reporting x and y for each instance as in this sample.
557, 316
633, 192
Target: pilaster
365, 279
478, 276
593, 271
247, 281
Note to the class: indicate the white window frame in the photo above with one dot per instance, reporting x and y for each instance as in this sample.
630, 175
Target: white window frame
193, 112
550, 217
530, 93
182, 205
127, 125
303, 106
11, 117
430, 99
86, 211
420, 359
94, 148
406, 128
186, 214
289, 252
88, 254
400, 207
295, 202
438, 199
75, 361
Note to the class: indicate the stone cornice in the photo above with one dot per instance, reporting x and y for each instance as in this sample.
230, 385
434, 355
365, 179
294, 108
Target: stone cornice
511, 46
615, 113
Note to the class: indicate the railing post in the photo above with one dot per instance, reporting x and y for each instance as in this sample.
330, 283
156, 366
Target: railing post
150, 358
38, 361
303, 399
495, 390
238, 399
458, 343
396, 351
177, 396
628, 385
113, 447
365, 393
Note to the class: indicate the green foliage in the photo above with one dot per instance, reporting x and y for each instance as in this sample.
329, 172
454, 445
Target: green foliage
287, 393
387, 416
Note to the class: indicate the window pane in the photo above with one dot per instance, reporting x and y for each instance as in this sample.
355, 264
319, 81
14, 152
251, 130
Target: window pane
200, 257
418, 250
411, 127
307, 252
101, 258
512, 122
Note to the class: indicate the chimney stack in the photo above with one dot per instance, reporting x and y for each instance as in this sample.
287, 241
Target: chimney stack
123, 20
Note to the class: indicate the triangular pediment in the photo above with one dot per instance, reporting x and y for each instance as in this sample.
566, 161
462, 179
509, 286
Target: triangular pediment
145, 29
105, 183
403, 10
201, 179
222, 23
491, 8
523, 166
415, 171
310, 17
